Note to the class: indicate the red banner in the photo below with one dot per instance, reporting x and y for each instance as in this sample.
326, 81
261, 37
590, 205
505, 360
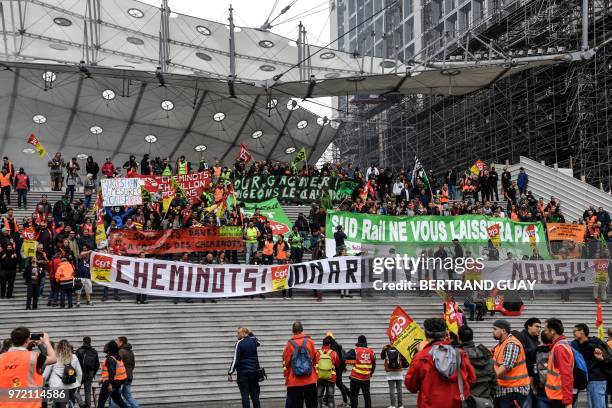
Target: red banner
198, 239
192, 184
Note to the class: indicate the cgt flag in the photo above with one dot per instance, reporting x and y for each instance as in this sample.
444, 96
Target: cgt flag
33, 140
404, 333
244, 154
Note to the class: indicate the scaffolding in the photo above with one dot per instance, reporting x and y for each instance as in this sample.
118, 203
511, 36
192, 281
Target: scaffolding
558, 114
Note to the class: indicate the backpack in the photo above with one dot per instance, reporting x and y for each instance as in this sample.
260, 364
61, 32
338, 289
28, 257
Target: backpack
70, 375
444, 359
325, 366
90, 361
581, 372
301, 363
393, 359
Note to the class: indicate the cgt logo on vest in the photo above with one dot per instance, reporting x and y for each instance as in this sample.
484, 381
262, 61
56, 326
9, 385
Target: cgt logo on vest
101, 268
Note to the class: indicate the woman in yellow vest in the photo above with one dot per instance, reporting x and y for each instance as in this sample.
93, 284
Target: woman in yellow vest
112, 377
268, 250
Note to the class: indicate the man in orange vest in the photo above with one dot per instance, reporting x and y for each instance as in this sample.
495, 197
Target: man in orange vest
301, 384
363, 360
64, 275
510, 365
5, 185
20, 368
560, 375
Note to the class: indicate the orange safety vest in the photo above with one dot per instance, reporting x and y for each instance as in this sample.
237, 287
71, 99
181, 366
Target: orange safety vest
553, 385
517, 377
5, 180
18, 370
280, 253
64, 272
7, 226
268, 248
120, 373
444, 198
362, 365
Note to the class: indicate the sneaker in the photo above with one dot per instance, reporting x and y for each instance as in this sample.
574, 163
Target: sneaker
144, 302
89, 302
78, 305
391, 406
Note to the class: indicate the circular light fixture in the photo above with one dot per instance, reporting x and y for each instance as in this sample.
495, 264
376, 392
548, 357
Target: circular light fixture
39, 119
28, 150
203, 56
150, 138
327, 55
293, 105
450, 72
62, 21
322, 121
82, 156
200, 148
331, 75
236, 29
302, 124
219, 116
387, 64
203, 30
290, 150
49, 76
267, 68
96, 130
58, 47
108, 94
167, 105
272, 103
257, 134
135, 40
136, 13
266, 44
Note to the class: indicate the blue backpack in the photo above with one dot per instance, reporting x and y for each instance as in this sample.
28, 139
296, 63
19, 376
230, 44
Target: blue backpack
301, 363
581, 371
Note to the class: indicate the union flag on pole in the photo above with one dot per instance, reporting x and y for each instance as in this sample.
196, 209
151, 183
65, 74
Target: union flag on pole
404, 333
601, 333
33, 140
244, 154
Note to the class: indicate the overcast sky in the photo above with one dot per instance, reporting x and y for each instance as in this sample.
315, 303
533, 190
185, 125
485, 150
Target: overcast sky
314, 14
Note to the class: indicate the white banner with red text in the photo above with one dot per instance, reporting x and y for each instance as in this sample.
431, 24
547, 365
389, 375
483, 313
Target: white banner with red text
182, 279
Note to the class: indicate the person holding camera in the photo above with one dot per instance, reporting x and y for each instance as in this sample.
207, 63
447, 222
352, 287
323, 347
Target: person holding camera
22, 368
246, 364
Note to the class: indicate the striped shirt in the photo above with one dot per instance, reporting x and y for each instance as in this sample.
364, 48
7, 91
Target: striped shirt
511, 354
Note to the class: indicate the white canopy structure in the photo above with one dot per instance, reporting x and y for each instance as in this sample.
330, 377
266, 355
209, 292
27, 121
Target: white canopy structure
120, 77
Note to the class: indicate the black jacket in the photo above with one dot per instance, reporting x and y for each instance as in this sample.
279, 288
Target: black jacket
245, 360
587, 349
530, 345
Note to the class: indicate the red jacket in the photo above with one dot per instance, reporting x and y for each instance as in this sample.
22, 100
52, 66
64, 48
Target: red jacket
53, 264
434, 390
563, 361
108, 169
334, 358
291, 380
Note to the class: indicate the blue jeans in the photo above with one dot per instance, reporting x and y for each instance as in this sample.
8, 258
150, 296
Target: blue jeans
87, 201
452, 191
32, 296
22, 197
126, 393
543, 401
41, 286
596, 394
250, 247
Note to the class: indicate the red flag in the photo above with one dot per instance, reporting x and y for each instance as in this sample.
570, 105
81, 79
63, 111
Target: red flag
404, 333
244, 154
599, 321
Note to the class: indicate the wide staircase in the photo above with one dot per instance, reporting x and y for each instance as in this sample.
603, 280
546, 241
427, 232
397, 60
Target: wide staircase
575, 195
183, 351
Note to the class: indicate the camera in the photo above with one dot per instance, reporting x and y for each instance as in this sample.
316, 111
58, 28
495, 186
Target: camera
36, 336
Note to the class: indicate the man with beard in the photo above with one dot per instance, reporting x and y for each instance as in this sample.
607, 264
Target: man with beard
510, 367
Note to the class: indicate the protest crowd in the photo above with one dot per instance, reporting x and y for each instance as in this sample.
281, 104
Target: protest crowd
51, 250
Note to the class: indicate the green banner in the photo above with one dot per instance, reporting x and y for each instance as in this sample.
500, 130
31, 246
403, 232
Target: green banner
381, 234
272, 210
297, 189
